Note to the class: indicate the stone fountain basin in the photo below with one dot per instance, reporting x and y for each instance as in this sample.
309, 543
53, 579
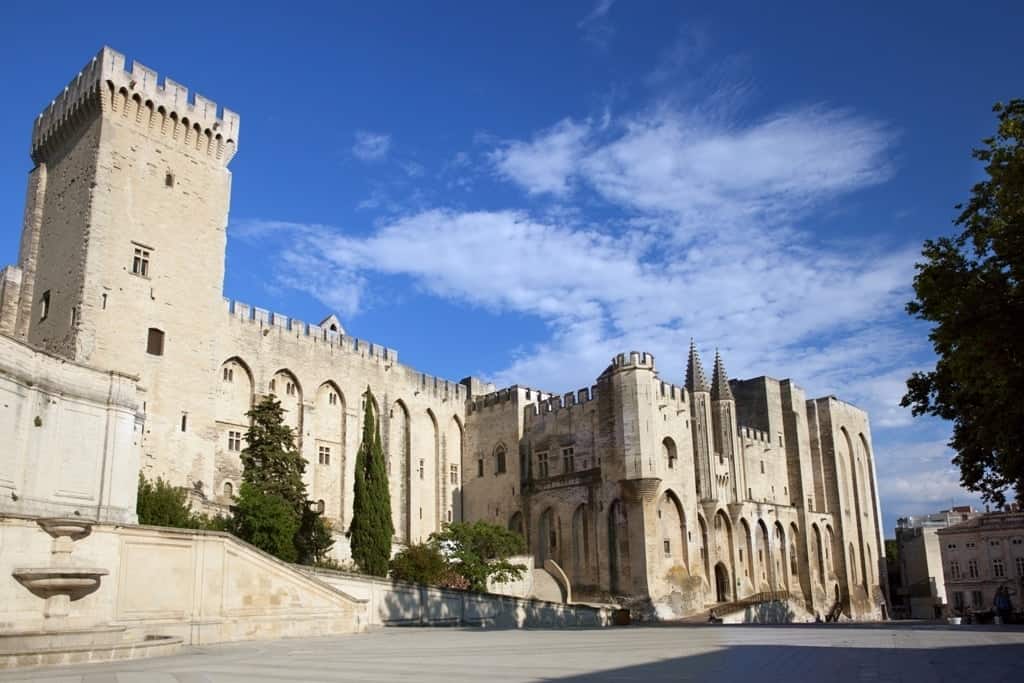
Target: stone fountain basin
46, 582
71, 527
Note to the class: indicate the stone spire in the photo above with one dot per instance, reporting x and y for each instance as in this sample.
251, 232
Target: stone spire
720, 390
695, 379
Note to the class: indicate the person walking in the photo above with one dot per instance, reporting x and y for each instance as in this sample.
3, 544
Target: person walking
1003, 606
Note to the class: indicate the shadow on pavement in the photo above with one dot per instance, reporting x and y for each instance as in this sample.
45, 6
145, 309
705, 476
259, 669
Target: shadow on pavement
832, 664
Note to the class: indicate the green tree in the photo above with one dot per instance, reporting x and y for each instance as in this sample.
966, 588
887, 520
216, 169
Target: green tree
371, 530
419, 563
480, 551
272, 511
160, 504
970, 288
314, 538
271, 463
267, 521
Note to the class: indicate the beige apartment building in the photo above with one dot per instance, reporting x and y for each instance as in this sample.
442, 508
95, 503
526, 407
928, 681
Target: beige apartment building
979, 557
922, 579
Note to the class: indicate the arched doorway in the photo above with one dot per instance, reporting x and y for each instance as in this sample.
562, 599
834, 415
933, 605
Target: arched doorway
620, 575
721, 583
516, 523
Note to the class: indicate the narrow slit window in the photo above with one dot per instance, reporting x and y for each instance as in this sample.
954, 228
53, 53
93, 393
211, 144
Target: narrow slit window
44, 306
184, 422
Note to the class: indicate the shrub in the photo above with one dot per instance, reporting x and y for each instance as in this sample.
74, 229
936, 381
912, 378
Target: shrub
160, 504
267, 521
419, 563
314, 538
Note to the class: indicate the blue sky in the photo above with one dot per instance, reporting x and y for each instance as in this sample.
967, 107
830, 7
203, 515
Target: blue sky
519, 191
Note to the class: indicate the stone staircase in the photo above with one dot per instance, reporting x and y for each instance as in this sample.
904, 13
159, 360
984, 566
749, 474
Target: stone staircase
545, 587
725, 610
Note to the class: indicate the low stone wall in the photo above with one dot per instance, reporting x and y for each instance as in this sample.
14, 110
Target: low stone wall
204, 587
769, 612
395, 603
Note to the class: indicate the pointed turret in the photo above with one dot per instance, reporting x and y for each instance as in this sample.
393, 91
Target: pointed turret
720, 390
695, 379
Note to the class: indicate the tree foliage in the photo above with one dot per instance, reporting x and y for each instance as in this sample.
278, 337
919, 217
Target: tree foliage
271, 511
271, 463
160, 504
970, 288
371, 530
314, 538
420, 563
267, 521
480, 551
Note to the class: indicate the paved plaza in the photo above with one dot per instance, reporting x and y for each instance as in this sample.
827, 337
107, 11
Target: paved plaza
754, 654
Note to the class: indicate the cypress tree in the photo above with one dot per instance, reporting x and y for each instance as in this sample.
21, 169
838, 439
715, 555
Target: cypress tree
371, 530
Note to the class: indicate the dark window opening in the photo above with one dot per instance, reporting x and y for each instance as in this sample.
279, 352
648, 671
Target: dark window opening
184, 421
155, 342
44, 306
140, 262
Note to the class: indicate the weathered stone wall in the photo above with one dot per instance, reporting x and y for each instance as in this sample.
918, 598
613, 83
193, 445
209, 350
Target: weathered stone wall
844, 440
494, 424
70, 437
424, 454
394, 603
204, 587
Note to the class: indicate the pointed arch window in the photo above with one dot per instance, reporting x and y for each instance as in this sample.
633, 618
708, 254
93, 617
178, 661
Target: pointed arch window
500, 457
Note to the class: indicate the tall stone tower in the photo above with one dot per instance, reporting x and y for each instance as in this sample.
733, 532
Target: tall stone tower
700, 415
122, 249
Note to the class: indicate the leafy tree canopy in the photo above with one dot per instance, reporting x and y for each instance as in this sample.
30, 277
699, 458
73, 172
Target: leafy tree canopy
160, 504
419, 563
970, 288
266, 520
480, 551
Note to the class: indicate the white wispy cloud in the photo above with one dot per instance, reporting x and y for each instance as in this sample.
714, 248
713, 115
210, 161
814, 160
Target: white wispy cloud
370, 146
596, 27
547, 162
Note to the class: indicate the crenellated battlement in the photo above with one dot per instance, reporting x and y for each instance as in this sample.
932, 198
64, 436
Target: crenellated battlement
265, 322
749, 434
672, 392
633, 359
506, 396
555, 406
167, 109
